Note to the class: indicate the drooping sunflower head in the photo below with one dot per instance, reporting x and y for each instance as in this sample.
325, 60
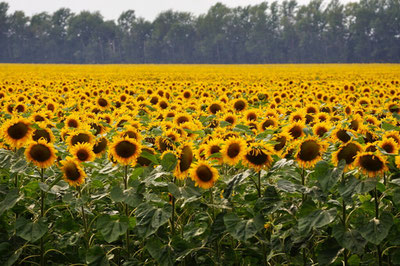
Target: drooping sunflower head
83, 152
185, 160
283, 139
269, 122
204, 175
125, 150
163, 144
234, 150
342, 134
295, 130
73, 173
41, 153
347, 152
371, 164
310, 151
17, 132
258, 157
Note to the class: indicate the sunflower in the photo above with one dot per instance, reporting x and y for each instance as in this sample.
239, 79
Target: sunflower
72, 172
269, 122
310, 151
131, 132
100, 146
17, 132
73, 121
212, 148
185, 160
371, 164
80, 136
125, 150
389, 145
395, 135
230, 118
43, 133
282, 140
204, 174
347, 152
164, 144
215, 107
342, 134
41, 153
240, 105
295, 129
83, 152
258, 156
234, 150
320, 129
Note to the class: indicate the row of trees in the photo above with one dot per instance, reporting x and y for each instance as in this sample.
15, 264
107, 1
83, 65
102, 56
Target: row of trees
366, 31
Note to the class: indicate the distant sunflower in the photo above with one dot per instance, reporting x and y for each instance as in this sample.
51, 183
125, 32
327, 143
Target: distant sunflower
80, 136
164, 144
234, 150
342, 134
347, 152
212, 148
310, 151
269, 122
389, 145
17, 132
72, 172
282, 139
240, 105
295, 129
319, 129
185, 159
83, 152
41, 153
125, 150
258, 157
204, 174
43, 133
371, 163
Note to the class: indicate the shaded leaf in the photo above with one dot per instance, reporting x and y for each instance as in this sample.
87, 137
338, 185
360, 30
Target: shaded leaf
30, 231
111, 228
243, 229
377, 229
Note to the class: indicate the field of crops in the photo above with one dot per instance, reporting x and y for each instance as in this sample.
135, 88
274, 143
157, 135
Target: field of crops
200, 165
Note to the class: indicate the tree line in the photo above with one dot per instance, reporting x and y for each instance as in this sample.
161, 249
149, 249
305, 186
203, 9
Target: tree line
319, 32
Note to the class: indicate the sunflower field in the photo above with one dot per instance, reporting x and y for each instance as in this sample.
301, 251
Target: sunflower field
200, 165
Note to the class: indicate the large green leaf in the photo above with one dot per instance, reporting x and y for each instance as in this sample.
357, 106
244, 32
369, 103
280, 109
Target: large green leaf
327, 177
236, 179
243, 229
150, 218
316, 219
377, 230
329, 252
169, 161
96, 256
112, 227
350, 239
10, 200
30, 231
128, 196
161, 253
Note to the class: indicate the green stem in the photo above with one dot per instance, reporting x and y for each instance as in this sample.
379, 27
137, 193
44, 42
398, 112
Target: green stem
303, 182
85, 224
126, 207
378, 247
344, 218
173, 211
259, 184
42, 213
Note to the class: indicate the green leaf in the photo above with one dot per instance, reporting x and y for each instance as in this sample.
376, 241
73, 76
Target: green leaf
169, 162
243, 229
151, 157
117, 194
149, 218
13, 258
235, 180
316, 219
377, 229
387, 127
30, 231
350, 239
287, 186
161, 253
174, 190
132, 198
19, 166
327, 177
329, 252
10, 200
111, 228
96, 256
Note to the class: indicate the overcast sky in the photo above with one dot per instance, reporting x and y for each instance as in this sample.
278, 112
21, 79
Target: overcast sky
111, 9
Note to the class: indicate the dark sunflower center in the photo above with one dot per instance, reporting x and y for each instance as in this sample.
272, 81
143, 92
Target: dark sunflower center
371, 163
281, 144
80, 138
233, 150
96, 128
309, 150
321, 131
204, 173
38, 118
388, 147
215, 149
354, 125
72, 172
268, 123
40, 153
186, 95
130, 134
296, 131
125, 149
18, 130
41, 133
102, 102
343, 136
100, 146
72, 123
182, 119
257, 157
251, 117
214, 108
165, 144
82, 155
186, 158
239, 105
348, 153
230, 119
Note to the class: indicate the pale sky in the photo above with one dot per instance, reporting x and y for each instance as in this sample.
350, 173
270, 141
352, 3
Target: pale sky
111, 9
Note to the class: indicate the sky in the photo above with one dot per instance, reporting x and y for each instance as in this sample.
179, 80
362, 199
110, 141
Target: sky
111, 9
